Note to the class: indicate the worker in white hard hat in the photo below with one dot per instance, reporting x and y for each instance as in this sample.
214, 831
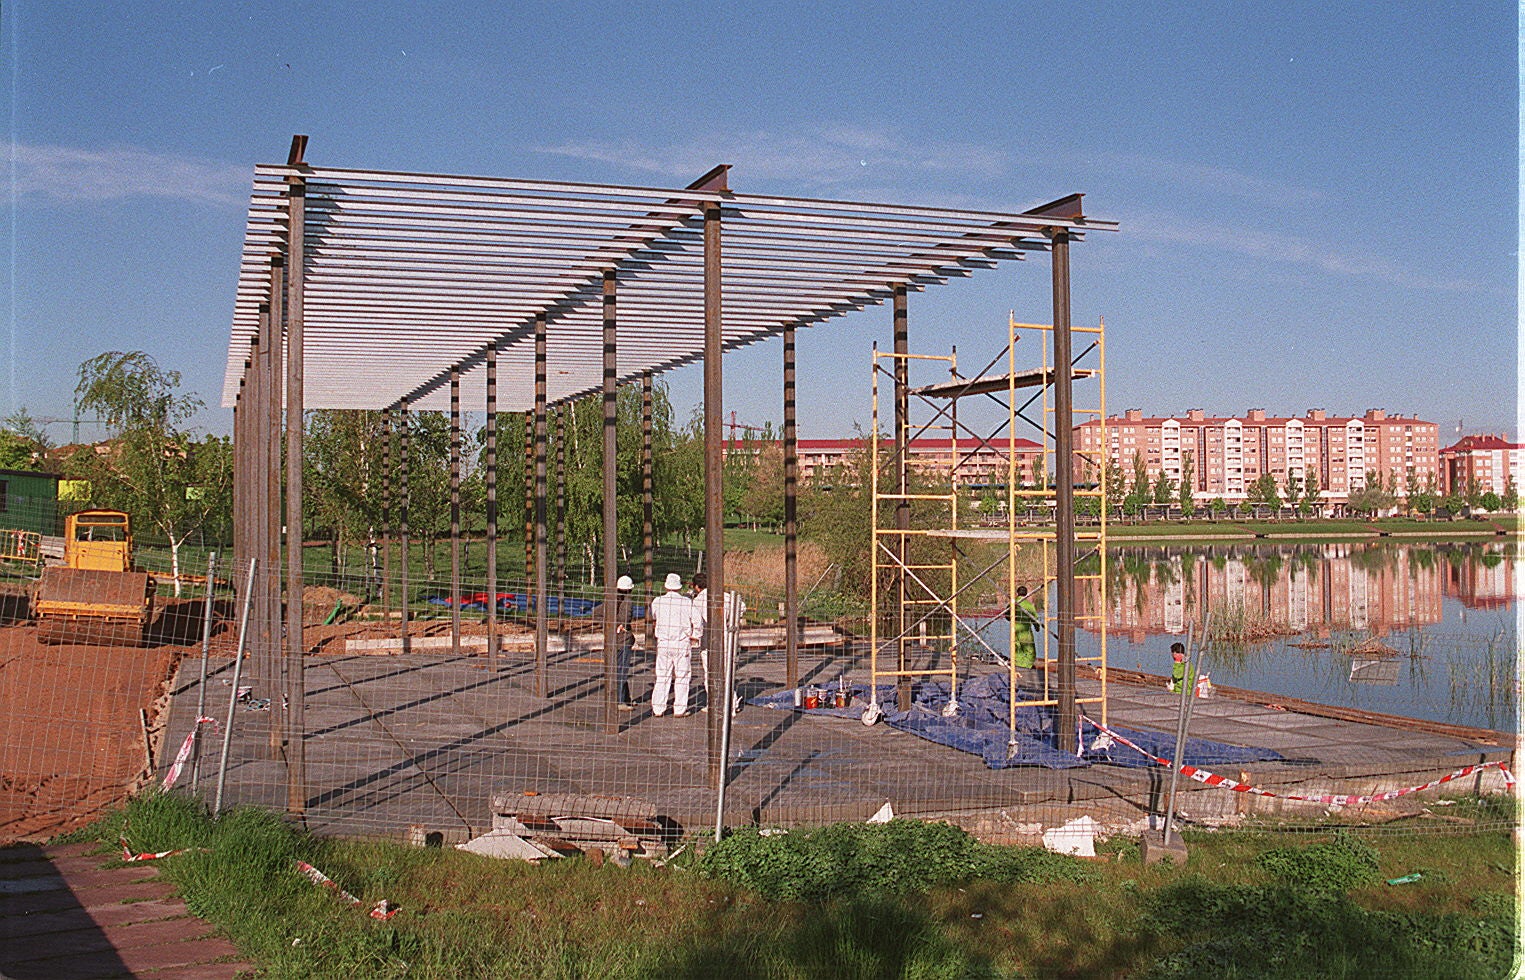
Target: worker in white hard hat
735, 607
624, 639
672, 612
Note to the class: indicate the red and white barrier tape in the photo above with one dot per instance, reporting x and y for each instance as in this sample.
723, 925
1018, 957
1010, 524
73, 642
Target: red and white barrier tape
129, 855
381, 910
1223, 782
184, 754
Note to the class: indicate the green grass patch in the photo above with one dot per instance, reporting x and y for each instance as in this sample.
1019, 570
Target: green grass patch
904, 899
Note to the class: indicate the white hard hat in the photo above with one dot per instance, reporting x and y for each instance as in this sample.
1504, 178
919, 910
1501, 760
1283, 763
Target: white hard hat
674, 582
624, 584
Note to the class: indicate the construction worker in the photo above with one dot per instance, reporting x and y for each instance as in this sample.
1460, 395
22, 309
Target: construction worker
624, 639
672, 614
735, 608
1179, 674
1024, 646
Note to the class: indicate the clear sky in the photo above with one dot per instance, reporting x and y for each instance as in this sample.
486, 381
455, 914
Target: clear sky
1319, 201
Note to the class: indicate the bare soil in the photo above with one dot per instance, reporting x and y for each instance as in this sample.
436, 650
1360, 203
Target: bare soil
72, 741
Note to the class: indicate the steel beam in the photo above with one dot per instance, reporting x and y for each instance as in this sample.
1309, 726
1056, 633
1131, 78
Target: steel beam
561, 500
386, 511
648, 515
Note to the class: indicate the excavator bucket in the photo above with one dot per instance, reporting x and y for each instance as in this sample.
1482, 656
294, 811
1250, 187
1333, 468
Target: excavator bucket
79, 605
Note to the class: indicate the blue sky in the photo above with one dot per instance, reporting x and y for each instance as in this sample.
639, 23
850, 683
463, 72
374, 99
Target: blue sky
1319, 201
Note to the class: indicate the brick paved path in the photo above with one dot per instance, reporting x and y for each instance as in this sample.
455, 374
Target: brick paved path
64, 916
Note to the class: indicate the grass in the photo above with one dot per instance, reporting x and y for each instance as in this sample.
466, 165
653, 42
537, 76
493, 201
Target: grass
904, 900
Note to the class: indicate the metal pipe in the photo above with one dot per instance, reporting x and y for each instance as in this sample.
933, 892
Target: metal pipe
1064, 495
611, 490
201, 686
296, 693
791, 519
1183, 718
732, 634
714, 514
238, 663
455, 510
490, 449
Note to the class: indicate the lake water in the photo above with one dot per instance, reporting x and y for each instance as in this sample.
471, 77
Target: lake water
1423, 630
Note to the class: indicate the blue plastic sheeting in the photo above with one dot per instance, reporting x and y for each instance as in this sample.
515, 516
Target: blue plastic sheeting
569, 607
982, 727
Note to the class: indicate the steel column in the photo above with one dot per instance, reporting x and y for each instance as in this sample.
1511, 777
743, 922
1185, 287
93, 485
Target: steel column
1064, 497
902, 505
455, 510
561, 499
270, 574
791, 515
491, 462
714, 527
542, 601
611, 491
386, 511
403, 542
648, 516
296, 772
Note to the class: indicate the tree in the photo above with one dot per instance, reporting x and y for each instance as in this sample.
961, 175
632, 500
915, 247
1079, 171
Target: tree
1372, 499
1510, 498
1474, 492
152, 468
1188, 481
1312, 493
1116, 484
1491, 501
1164, 488
1263, 491
1292, 489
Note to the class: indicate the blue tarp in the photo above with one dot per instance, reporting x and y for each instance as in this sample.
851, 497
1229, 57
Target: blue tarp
570, 607
982, 727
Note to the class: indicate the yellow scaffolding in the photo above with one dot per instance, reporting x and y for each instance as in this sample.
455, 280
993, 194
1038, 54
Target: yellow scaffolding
919, 588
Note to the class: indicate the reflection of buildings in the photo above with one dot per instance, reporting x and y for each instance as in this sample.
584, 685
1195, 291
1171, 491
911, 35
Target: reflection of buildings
1223, 457
1486, 582
1317, 589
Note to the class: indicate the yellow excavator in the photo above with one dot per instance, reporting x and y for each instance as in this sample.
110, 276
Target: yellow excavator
95, 596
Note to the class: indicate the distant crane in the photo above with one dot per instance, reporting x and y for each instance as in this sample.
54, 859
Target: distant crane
733, 425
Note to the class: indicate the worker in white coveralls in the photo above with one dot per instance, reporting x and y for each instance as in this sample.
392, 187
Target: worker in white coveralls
735, 608
672, 612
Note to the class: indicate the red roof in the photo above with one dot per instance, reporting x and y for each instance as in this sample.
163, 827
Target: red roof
1485, 443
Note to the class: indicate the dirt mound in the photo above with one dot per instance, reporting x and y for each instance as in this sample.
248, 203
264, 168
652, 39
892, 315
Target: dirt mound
319, 602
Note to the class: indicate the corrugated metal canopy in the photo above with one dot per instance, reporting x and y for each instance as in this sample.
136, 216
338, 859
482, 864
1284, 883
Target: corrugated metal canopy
407, 275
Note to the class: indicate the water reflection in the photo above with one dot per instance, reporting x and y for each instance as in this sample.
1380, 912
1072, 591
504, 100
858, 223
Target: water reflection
1424, 630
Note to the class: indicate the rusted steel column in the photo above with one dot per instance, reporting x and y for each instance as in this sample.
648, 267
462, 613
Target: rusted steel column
1064, 496
542, 602
561, 499
902, 506
386, 511
490, 450
791, 515
405, 459
455, 510
296, 650
648, 515
256, 500
714, 514
528, 485
611, 490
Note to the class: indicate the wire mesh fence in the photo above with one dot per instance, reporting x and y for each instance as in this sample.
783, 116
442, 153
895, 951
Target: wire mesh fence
400, 721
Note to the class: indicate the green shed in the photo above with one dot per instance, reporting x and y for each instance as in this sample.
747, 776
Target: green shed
29, 501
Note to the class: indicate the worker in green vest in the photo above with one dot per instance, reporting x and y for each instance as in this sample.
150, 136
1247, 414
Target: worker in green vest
1179, 672
1024, 643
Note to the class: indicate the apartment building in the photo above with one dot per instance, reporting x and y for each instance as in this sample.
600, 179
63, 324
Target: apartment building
978, 463
1226, 456
1487, 459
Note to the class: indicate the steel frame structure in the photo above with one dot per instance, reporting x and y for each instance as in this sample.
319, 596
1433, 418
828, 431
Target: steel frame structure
400, 292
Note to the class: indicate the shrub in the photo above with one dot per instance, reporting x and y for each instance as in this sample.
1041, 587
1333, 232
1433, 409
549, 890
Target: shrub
1335, 865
